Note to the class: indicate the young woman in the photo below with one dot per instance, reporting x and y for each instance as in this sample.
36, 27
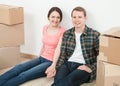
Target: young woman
36, 68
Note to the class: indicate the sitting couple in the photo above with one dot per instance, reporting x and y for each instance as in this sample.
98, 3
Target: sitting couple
70, 56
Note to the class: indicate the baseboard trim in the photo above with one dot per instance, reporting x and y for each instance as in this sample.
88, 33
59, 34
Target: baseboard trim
29, 56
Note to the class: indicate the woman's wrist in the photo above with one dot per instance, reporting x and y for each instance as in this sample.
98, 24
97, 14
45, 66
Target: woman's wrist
53, 64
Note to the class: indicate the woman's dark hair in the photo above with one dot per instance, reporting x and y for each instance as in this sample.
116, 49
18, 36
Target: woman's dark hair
81, 9
55, 9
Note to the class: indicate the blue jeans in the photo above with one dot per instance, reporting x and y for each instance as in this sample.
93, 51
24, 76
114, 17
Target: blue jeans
24, 72
69, 75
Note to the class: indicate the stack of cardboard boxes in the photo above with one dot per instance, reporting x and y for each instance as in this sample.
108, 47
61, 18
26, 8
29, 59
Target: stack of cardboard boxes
108, 66
11, 34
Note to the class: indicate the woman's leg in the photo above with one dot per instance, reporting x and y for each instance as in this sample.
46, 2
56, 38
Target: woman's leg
18, 69
32, 73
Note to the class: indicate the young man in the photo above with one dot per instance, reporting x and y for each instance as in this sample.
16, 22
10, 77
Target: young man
79, 50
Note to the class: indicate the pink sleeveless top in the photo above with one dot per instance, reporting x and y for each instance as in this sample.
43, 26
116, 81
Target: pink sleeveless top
50, 42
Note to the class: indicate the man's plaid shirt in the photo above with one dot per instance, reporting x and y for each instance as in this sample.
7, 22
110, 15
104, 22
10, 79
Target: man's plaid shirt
89, 44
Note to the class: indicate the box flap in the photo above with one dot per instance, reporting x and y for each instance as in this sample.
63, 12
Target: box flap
3, 6
113, 32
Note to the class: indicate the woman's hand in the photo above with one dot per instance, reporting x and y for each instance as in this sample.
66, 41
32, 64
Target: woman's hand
84, 67
51, 71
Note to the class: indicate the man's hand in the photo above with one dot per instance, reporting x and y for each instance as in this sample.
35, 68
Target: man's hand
84, 67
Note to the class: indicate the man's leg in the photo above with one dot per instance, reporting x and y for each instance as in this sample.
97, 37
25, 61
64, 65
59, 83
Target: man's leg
61, 73
76, 78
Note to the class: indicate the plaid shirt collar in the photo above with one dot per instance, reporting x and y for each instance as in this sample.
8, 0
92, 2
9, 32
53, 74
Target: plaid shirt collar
84, 32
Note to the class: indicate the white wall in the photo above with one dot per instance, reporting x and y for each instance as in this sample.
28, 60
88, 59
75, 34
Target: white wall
102, 15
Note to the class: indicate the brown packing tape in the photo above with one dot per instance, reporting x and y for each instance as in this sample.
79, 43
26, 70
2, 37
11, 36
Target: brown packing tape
104, 41
102, 57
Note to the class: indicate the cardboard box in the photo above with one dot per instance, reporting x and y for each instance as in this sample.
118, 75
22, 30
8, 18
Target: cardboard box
11, 35
11, 14
9, 56
108, 74
110, 45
